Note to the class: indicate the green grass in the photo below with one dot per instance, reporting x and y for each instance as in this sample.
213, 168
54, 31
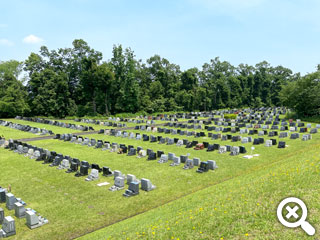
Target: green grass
75, 207
240, 208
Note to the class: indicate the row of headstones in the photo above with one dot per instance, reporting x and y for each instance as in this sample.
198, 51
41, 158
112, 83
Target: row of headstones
12, 203
269, 125
188, 144
224, 130
168, 131
131, 151
56, 123
234, 150
103, 123
25, 128
54, 159
72, 165
260, 133
169, 141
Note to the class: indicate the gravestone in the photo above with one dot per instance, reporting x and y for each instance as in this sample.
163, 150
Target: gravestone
188, 164
142, 153
79, 140
242, 149
281, 144
2, 195
86, 141
153, 138
92, 143
204, 167
132, 190
179, 143
170, 141
313, 130
294, 136
118, 184
1, 215
106, 146
117, 173
176, 161
19, 149
306, 137
9, 226
183, 158
170, 156
131, 178
235, 151
268, 143
131, 135
106, 171
244, 140
10, 201
84, 169
212, 165
36, 154
146, 185
114, 148
20, 211
283, 134
210, 148
99, 144
196, 161
132, 152
256, 141
222, 149
32, 219
163, 158
30, 153
94, 175
162, 140
152, 156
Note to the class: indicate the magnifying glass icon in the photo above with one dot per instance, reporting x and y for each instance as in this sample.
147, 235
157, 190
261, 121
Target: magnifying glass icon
292, 212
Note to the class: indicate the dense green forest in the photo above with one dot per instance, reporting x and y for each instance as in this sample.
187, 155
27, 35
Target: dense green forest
75, 81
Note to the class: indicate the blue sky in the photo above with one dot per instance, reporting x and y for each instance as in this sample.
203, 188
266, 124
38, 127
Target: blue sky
186, 32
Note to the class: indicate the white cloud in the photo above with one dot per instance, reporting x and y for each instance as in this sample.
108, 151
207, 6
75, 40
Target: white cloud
32, 39
6, 42
2, 25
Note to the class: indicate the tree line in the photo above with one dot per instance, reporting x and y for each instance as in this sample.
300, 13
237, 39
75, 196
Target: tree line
75, 81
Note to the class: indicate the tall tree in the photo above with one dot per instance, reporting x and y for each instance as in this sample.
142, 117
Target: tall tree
13, 96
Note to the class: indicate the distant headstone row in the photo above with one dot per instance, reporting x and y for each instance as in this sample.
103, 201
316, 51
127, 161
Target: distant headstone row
25, 128
33, 219
56, 123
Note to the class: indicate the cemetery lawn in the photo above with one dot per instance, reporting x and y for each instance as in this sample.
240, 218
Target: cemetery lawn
243, 207
236, 201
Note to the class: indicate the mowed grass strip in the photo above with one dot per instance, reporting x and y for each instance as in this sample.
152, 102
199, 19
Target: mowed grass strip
241, 208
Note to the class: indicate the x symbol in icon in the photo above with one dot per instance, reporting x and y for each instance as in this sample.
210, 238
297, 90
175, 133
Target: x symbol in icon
292, 212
